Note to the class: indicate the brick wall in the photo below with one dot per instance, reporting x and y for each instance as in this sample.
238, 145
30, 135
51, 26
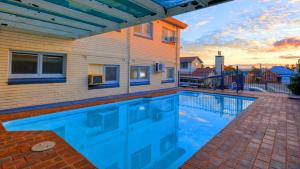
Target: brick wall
108, 48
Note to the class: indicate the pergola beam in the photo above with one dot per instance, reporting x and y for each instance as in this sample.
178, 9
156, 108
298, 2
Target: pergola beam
39, 29
150, 5
48, 6
13, 18
8, 8
97, 6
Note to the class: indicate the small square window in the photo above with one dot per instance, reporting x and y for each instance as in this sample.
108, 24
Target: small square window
168, 35
144, 30
170, 74
111, 73
139, 73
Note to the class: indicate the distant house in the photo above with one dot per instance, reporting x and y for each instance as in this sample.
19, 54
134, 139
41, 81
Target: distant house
199, 72
190, 64
283, 74
266, 76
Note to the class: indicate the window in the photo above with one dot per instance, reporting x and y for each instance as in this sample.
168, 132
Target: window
52, 64
168, 35
144, 30
111, 74
36, 65
139, 75
184, 65
170, 74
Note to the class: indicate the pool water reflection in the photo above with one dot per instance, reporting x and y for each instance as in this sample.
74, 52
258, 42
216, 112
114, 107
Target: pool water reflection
161, 132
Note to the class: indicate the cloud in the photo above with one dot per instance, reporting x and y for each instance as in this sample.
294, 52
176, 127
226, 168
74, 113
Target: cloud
287, 43
289, 57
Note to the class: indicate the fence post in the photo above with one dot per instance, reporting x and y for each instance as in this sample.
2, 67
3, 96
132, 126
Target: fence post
237, 80
222, 79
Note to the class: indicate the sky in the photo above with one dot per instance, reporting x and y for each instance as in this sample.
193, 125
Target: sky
246, 31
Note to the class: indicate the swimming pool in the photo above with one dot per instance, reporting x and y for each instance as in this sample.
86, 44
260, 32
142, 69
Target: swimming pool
159, 133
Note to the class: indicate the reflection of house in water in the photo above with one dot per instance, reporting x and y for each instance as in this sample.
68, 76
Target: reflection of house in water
126, 135
227, 107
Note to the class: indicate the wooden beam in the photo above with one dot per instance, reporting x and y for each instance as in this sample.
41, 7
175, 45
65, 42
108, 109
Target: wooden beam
48, 6
107, 10
35, 29
17, 19
8, 8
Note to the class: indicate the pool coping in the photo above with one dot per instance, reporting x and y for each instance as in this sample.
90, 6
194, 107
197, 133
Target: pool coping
74, 159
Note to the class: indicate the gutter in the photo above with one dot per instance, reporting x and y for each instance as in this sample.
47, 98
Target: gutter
128, 59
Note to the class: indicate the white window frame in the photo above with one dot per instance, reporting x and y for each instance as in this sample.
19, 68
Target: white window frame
173, 70
138, 78
142, 33
169, 37
118, 74
39, 73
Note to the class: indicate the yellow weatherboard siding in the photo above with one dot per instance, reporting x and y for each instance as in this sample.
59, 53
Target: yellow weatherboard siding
110, 48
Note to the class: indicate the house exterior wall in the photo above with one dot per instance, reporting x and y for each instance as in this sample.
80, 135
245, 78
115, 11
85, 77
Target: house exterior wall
192, 66
108, 48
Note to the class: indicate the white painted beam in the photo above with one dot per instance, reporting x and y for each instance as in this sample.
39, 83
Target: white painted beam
97, 6
17, 19
48, 6
8, 8
35, 29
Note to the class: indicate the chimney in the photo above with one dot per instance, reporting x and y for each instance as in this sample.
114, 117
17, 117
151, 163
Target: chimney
219, 63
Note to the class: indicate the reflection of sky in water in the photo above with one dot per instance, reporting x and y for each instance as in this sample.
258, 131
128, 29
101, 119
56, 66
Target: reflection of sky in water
143, 133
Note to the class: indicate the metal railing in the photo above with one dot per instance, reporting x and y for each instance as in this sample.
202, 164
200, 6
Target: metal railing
236, 80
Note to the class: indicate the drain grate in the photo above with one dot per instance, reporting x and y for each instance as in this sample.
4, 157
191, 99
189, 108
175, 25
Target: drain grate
43, 146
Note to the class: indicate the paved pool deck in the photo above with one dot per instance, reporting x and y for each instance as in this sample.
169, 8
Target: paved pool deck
265, 136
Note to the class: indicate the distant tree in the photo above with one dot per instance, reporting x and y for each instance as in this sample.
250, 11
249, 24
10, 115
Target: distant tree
290, 66
229, 68
256, 72
295, 83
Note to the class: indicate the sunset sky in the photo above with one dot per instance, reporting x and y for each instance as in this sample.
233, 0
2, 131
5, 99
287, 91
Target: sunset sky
246, 31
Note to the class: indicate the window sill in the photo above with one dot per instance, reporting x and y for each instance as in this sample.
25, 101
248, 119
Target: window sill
144, 36
167, 81
139, 83
104, 86
19, 81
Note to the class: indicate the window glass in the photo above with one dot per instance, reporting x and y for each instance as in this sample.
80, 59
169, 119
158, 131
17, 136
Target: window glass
143, 73
138, 28
139, 73
52, 64
170, 73
111, 73
133, 73
168, 35
184, 65
144, 29
164, 34
24, 63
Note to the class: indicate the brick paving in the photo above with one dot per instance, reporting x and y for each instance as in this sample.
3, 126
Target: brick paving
265, 135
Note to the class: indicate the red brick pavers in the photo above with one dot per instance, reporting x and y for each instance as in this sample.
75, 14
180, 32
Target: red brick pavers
265, 135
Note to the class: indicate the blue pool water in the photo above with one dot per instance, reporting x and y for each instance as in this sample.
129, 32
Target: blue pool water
157, 133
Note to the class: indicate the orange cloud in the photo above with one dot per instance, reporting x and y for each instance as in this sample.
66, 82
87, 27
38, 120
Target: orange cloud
287, 43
